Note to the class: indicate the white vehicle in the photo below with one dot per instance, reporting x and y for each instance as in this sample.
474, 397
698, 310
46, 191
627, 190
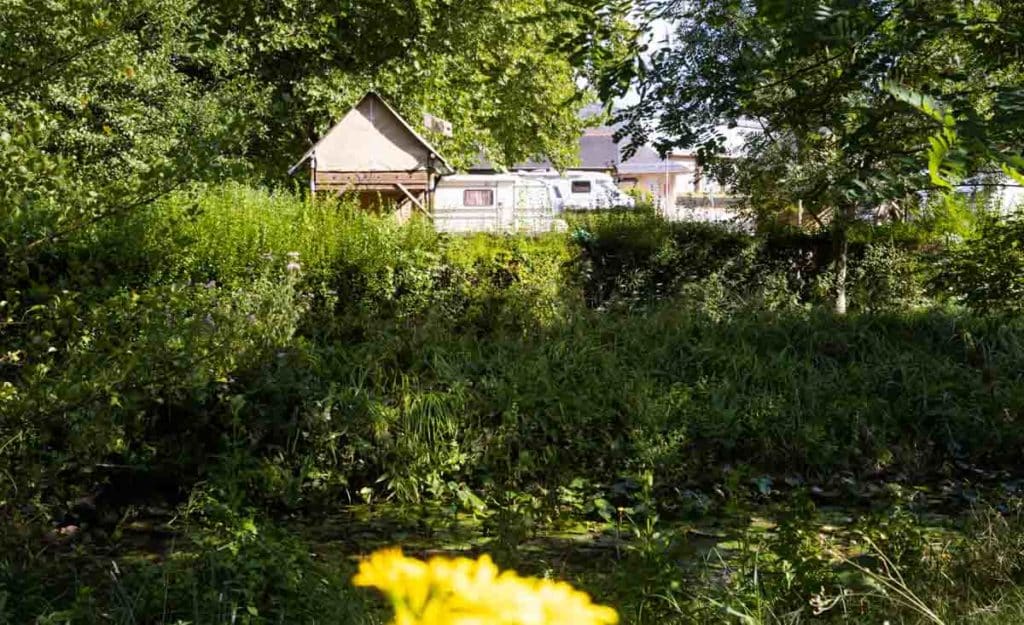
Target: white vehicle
495, 203
584, 190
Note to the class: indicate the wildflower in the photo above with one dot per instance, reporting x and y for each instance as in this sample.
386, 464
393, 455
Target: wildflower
725, 576
293, 255
460, 591
293, 266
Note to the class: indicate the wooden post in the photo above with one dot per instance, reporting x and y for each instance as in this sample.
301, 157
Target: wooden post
429, 197
800, 213
312, 177
840, 262
412, 198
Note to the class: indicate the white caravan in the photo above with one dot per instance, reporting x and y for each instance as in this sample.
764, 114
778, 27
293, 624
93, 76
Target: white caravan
495, 203
579, 190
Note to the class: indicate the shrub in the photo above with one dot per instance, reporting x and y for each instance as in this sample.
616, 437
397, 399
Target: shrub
131, 381
632, 259
239, 573
987, 273
886, 278
412, 364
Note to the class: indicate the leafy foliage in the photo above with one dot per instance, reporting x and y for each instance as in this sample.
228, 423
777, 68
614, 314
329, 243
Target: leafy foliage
232, 353
185, 367
291, 351
988, 271
827, 98
106, 108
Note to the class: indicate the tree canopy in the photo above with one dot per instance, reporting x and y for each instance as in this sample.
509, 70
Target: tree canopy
854, 104
107, 105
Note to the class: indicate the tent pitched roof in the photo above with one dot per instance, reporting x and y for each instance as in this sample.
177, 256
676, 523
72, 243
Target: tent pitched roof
445, 168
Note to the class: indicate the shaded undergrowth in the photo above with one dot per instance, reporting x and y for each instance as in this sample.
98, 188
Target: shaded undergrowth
232, 362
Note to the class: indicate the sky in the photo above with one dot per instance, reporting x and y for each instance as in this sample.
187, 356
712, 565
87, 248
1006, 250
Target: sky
657, 37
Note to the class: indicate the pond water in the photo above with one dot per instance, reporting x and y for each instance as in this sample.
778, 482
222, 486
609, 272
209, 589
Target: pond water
583, 540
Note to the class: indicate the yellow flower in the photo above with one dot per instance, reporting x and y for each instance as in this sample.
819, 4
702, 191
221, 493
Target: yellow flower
460, 591
401, 578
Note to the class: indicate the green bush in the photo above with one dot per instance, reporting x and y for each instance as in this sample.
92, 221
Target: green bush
138, 380
987, 273
238, 573
393, 359
235, 349
634, 259
886, 278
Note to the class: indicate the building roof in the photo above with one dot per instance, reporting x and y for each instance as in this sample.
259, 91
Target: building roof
444, 167
647, 161
532, 164
598, 151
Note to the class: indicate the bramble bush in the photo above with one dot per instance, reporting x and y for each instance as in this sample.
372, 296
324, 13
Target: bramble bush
284, 357
987, 272
298, 351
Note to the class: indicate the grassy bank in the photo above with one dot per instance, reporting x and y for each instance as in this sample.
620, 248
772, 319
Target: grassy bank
186, 390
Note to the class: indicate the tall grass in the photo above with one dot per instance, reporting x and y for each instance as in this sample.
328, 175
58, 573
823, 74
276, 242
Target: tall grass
264, 355
489, 359
226, 232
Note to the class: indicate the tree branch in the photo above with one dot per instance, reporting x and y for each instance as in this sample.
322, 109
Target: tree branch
832, 57
111, 212
42, 72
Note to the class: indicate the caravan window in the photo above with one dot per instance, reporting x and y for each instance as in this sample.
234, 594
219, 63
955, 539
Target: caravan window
581, 186
478, 197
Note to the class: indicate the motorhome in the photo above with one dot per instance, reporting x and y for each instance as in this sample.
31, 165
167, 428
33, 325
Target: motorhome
583, 190
495, 203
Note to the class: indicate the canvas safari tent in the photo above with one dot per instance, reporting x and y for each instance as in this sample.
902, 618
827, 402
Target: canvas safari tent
375, 154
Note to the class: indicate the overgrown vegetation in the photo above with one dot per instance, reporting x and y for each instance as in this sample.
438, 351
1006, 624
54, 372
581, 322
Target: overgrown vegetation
216, 393
847, 109
183, 385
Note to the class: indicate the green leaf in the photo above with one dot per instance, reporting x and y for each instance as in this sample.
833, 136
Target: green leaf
941, 146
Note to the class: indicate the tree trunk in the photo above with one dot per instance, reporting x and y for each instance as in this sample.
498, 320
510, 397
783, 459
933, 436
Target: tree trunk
840, 250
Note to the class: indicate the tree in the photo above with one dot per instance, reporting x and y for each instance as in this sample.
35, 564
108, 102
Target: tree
108, 105
488, 66
838, 91
96, 117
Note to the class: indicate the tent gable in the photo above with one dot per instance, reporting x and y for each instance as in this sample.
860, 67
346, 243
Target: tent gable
372, 137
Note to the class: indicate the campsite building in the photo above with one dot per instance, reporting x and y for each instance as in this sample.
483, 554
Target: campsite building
375, 154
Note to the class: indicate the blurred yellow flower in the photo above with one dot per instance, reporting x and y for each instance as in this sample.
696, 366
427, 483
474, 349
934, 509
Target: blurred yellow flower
460, 591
